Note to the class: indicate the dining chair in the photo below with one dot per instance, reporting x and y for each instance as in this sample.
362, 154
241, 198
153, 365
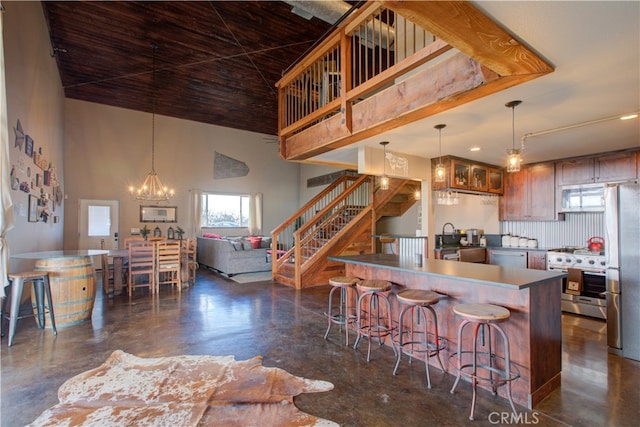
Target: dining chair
189, 256
168, 263
107, 269
142, 266
129, 240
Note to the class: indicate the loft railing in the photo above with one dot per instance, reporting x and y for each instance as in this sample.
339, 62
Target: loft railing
373, 48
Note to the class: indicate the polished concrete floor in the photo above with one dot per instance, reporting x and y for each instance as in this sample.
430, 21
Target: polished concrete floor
286, 327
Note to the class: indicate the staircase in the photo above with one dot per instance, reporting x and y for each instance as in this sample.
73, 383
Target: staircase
340, 220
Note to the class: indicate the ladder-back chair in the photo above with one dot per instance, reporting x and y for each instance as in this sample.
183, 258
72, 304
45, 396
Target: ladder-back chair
168, 263
189, 256
142, 266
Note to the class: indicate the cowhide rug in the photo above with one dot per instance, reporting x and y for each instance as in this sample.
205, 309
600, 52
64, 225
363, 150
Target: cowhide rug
182, 391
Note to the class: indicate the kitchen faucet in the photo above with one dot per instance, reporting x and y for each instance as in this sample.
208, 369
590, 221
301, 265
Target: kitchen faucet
453, 230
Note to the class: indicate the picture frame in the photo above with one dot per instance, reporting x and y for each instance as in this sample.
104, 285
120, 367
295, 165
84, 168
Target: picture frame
28, 146
33, 208
158, 214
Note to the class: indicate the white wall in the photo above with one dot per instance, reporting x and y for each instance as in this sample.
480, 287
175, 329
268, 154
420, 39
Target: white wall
109, 148
35, 97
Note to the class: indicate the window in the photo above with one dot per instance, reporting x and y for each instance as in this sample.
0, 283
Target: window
225, 210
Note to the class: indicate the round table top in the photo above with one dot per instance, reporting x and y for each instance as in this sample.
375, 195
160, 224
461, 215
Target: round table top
60, 254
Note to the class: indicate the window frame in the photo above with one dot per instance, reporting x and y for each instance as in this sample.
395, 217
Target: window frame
243, 199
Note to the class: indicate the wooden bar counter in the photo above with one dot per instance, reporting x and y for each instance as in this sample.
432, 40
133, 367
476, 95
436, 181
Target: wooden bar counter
533, 297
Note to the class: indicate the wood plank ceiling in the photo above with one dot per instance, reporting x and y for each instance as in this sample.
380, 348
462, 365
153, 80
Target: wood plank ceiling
217, 62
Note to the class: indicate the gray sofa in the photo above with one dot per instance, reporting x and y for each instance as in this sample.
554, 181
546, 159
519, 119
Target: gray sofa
232, 256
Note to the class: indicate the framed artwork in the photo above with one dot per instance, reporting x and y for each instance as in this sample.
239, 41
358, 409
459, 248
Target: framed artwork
33, 208
28, 146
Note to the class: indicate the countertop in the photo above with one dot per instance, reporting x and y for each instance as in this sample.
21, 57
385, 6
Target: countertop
493, 275
509, 248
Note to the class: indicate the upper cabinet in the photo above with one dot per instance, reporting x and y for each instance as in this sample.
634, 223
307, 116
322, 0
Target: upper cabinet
463, 174
530, 195
614, 167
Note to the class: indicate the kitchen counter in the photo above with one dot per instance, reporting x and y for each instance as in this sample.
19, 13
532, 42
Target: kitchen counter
532, 297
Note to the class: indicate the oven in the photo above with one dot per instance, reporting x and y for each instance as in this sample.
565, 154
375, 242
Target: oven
589, 299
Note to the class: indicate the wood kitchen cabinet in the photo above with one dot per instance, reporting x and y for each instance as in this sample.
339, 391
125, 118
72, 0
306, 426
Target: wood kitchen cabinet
537, 260
530, 194
463, 174
595, 169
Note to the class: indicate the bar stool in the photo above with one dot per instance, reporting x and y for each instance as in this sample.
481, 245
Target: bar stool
378, 324
346, 314
484, 316
41, 287
417, 303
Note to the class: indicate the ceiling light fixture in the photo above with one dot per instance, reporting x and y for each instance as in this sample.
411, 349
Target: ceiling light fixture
384, 179
440, 170
513, 162
417, 192
152, 188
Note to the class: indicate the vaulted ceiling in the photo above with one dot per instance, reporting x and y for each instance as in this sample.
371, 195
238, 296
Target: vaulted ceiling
218, 61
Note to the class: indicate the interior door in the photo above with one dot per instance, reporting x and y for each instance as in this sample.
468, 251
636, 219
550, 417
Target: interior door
98, 221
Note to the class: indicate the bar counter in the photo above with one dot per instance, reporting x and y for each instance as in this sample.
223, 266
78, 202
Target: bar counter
532, 296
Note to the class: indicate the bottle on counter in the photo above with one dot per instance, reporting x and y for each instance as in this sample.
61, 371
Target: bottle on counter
483, 240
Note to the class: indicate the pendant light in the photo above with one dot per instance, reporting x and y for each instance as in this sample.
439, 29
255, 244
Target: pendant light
152, 188
440, 170
514, 159
384, 179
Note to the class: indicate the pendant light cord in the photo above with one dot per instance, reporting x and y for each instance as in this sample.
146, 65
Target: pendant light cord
153, 108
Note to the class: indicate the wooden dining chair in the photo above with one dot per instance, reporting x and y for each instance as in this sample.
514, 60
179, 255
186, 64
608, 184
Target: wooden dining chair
142, 266
189, 259
107, 269
168, 263
129, 240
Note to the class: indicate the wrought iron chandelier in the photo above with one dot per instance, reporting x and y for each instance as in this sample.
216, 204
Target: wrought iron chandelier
152, 188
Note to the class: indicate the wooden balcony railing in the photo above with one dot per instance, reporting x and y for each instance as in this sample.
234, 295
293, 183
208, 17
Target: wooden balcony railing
391, 63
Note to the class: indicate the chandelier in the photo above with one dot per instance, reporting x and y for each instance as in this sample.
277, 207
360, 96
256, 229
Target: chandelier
514, 159
152, 188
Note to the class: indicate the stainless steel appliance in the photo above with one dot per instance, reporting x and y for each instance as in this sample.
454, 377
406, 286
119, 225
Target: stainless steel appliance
622, 237
590, 299
508, 258
473, 236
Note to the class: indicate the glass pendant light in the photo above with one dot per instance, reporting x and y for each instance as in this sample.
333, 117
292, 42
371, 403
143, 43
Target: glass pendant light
384, 179
440, 170
514, 159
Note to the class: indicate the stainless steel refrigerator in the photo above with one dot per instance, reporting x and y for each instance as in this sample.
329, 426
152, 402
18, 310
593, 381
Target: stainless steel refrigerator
622, 250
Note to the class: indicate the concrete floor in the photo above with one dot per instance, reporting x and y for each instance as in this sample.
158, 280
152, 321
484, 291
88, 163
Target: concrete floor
221, 317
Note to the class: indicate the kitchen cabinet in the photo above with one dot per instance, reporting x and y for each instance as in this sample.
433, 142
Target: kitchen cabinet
595, 169
530, 194
463, 174
537, 260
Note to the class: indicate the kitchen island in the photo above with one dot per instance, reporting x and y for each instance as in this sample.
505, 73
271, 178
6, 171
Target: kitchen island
532, 297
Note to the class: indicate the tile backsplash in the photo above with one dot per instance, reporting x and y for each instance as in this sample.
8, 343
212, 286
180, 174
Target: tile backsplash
575, 230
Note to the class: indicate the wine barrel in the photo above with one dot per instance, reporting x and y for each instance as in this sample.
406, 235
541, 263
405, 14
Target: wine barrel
73, 288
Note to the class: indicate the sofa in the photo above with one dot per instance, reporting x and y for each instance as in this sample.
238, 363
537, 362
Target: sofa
231, 256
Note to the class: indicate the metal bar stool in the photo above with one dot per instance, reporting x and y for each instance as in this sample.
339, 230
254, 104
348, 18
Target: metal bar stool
346, 314
373, 322
484, 365
417, 304
41, 287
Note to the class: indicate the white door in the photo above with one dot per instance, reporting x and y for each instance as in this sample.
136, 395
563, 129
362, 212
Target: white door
98, 220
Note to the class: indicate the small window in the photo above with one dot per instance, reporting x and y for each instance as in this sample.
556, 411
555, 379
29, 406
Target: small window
225, 210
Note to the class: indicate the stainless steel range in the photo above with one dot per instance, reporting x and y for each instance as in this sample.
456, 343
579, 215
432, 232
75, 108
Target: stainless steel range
586, 295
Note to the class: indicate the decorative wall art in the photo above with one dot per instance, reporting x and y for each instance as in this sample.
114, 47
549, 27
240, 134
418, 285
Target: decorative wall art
33, 208
28, 146
17, 130
227, 167
43, 183
158, 213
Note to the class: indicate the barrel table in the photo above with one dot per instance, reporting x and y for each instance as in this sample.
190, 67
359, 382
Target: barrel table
73, 283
